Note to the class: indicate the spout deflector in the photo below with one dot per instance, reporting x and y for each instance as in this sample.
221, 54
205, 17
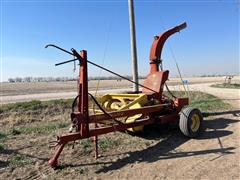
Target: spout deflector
158, 43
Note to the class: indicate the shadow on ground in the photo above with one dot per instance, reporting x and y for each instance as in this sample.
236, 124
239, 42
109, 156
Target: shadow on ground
17, 152
234, 113
170, 138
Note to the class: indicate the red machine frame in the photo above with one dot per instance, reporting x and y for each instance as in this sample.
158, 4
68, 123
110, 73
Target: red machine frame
83, 120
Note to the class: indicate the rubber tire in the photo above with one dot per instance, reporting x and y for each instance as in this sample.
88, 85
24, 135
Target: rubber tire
185, 122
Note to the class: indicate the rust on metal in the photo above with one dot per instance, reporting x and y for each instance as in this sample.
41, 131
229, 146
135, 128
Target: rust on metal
157, 46
128, 112
158, 109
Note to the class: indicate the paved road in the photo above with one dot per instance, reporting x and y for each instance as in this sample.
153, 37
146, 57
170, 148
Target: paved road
50, 96
231, 96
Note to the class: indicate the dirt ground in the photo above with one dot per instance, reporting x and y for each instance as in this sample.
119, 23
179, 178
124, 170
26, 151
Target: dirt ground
160, 152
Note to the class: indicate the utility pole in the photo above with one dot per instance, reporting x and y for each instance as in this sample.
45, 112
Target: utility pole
133, 45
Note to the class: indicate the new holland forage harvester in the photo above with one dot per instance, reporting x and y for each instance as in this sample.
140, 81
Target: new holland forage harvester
118, 112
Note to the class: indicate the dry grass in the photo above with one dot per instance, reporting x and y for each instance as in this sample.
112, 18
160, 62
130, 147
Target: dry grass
26, 129
227, 85
48, 111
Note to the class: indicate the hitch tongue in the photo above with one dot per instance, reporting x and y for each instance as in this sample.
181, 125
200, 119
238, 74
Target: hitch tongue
53, 144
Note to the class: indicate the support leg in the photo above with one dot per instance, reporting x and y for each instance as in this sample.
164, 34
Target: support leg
53, 161
95, 139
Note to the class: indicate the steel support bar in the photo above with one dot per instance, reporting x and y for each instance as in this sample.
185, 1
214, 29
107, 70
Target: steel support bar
102, 130
128, 112
83, 93
120, 127
94, 64
167, 118
65, 138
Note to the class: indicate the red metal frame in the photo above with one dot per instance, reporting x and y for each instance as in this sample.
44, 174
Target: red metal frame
157, 45
83, 96
84, 120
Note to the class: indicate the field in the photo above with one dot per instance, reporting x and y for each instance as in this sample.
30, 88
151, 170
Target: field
160, 152
9, 89
20, 92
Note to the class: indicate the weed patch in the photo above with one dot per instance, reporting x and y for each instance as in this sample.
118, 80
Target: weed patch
2, 135
82, 170
2, 147
19, 160
35, 105
87, 145
205, 102
227, 85
31, 105
14, 132
105, 143
44, 129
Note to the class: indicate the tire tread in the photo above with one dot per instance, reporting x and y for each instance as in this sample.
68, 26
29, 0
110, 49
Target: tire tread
183, 122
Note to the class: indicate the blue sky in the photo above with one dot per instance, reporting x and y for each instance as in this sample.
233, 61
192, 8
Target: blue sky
209, 45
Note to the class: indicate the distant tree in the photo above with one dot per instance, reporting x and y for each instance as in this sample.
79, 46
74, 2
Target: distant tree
27, 79
58, 79
49, 79
11, 80
18, 79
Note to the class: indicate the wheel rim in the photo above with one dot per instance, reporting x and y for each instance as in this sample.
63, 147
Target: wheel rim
195, 124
